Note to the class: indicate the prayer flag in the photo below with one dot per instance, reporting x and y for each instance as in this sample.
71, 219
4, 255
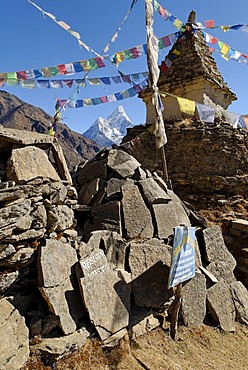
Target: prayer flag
209, 23
186, 106
232, 118
28, 84
68, 83
205, 112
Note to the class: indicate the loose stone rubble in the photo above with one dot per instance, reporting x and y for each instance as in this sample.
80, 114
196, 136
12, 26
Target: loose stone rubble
97, 265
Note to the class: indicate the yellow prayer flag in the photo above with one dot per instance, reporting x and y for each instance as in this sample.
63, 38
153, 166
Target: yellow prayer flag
119, 57
177, 23
186, 106
225, 28
224, 49
87, 102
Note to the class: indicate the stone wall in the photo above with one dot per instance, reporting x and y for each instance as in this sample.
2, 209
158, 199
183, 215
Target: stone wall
202, 159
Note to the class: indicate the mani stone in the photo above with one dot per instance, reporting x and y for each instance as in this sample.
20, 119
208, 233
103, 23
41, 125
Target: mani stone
122, 163
215, 248
15, 341
94, 263
170, 215
149, 264
28, 163
240, 299
104, 217
107, 300
220, 305
193, 307
137, 217
57, 283
152, 192
113, 245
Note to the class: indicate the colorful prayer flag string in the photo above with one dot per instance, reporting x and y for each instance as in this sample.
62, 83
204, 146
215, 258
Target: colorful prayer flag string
65, 27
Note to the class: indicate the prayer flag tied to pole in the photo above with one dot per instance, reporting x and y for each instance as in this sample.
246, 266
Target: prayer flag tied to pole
152, 60
183, 256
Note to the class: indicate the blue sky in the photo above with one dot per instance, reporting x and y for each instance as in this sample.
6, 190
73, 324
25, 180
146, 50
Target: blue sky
30, 41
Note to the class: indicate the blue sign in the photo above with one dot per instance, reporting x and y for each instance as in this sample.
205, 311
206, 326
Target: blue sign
183, 255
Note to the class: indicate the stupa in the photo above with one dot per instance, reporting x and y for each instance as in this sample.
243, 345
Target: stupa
189, 71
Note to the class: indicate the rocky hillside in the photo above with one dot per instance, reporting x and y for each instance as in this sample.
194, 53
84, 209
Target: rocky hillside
15, 113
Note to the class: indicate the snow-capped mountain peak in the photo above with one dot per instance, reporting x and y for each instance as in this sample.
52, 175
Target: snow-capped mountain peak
107, 132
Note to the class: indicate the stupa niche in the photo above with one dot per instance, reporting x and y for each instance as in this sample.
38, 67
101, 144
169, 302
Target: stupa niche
189, 71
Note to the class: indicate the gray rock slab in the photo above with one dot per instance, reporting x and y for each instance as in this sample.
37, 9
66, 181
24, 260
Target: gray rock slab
94, 263
160, 181
104, 217
221, 271
26, 235
23, 257
240, 299
149, 264
170, 215
215, 248
39, 216
114, 187
15, 217
28, 163
220, 305
7, 279
15, 338
60, 347
152, 192
107, 299
122, 163
113, 245
59, 218
92, 169
88, 191
6, 250
57, 192
141, 321
11, 194
193, 306
137, 217
57, 283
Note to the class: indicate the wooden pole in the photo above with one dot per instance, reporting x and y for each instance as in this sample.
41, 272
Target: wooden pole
175, 312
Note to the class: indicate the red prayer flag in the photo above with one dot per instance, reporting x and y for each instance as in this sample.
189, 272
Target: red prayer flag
163, 67
104, 99
162, 11
209, 23
100, 62
135, 53
62, 69
21, 75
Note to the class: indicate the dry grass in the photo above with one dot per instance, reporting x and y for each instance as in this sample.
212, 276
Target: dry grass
199, 349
